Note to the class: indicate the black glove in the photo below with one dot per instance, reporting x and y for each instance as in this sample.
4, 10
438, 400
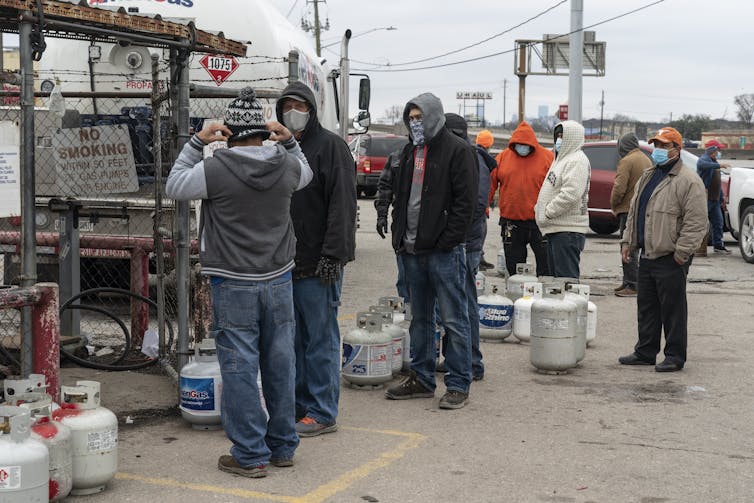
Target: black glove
382, 226
328, 269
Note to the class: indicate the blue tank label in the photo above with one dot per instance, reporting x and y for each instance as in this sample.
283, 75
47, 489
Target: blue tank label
198, 394
495, 316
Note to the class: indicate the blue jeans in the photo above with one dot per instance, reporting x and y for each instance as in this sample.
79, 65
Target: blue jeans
472, 267
439, 275
400, 284
252, 324
715, 214
317, 349
564, 253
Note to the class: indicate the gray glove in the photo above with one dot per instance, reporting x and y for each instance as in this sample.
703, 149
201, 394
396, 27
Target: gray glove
382, 226
328, 269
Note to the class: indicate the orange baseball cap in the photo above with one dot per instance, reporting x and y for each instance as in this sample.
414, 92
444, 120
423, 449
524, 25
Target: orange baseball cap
668, 135
485, 138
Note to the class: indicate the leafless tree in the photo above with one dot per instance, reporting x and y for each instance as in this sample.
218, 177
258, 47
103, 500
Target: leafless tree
745, 104
394, 113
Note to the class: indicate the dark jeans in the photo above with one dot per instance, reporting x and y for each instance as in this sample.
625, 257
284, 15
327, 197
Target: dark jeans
516, 235
661, 305
715, 214
472, 268
630, 268
564, 253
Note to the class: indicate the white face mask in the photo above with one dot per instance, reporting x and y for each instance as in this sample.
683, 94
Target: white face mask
295, 121
719, 156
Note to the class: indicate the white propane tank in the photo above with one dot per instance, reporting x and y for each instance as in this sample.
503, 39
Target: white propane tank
582, 310
406, 325
591, 316
481, 282
396, 336
495, 316
13, 385
514, 286
55, 436
553, 334
367, 353
95, 436
201, 388
522, 311
502, 269
24, 462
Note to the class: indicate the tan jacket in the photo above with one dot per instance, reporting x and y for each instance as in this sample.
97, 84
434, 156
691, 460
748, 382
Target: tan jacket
629, 170
676, 219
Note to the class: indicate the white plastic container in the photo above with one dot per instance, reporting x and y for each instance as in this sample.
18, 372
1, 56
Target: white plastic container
522, 311
94, 432
553, 332
201, 388
495, 316
24, 462
367, 354
514, 286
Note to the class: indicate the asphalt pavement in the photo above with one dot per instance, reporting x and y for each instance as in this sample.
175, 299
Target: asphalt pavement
600, 433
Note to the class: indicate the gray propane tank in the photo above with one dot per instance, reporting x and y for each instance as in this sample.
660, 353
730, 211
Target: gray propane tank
522, 311
553, 335
514, 286
24, 462
367, 353
495, 316
201, 388
55, 436
396, 336
582, 310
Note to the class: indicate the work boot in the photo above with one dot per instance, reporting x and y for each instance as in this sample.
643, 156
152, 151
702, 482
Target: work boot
309, 427
626, 292
410, 387
228, 464
621, 287
453, 400
722, 250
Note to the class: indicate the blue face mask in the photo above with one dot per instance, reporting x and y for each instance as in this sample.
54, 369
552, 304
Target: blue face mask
558, 143
719, 156
417, 131
522, 150
660, 156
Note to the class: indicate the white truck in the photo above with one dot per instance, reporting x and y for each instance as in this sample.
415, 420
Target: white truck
741, 209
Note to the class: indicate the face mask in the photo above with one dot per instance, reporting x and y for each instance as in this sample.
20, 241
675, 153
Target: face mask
660, 156
558, 143
295, 121
417, 131
522, 150
719, 156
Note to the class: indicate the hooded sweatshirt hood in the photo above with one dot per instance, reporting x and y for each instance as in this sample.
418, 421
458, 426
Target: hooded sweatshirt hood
573, 138
523, 135
257, 167
626, 144
301, 92
432, 112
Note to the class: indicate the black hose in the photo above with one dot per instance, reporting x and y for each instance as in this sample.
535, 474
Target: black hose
101, 310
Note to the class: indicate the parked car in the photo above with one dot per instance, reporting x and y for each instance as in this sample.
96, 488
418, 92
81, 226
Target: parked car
741, 214
370, 152
603, 157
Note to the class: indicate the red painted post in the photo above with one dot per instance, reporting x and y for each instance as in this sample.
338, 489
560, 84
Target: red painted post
140, 285
46, 337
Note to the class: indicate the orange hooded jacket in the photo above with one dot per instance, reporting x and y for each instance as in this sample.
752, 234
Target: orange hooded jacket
520, 178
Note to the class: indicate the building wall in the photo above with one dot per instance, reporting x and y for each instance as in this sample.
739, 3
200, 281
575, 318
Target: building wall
734, 138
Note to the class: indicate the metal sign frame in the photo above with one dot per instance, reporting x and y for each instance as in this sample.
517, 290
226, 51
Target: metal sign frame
554, 53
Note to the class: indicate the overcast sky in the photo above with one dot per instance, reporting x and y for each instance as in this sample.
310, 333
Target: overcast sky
679, 56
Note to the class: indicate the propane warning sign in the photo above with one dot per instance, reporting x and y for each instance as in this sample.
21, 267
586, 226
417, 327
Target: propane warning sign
10, 184
219, 67
10, 477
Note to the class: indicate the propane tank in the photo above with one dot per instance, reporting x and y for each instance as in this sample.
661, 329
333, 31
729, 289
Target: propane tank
367, 353
55, 436
406, 325
591, 316
24, 461
502, 269
481, 282
582, 308
396, 336
94, 432
201, 388
553, 335
514, 287
495, 316
13, 385
522, 311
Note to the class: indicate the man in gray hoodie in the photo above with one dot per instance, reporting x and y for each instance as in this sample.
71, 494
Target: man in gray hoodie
247, 245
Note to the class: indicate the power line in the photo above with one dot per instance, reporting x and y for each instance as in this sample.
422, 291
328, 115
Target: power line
291, 9
500, 53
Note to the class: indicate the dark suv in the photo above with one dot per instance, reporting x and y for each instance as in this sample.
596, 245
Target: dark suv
370, 151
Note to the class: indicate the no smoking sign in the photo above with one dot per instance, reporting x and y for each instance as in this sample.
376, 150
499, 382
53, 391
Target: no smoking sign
219, 67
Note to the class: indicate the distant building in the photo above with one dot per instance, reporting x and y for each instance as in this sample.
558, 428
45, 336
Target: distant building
543, 111
741, 139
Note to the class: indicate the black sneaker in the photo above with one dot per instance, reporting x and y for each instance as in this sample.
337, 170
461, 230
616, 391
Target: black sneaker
722, 250
453, 400
484, 265
410, 387
228, 464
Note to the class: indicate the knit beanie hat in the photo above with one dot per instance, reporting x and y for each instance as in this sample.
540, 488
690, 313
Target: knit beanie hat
245, 116
485, 138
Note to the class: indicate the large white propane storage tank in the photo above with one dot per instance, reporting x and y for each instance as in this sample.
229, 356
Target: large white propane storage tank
201, 388
582, 309
24, 462
367, 353
396, 336
553, 334
522, 311
514, 286
495, 316
94, 431
53, 434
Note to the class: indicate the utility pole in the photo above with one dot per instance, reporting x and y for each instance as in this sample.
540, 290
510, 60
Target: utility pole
317, 27
576, 60
505, 88
602, 111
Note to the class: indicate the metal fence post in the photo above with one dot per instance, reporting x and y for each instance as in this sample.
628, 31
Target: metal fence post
140, 285
47, 337
70, 269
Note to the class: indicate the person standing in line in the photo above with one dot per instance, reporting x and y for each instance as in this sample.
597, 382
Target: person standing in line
667, 221
435, 190
247, 245
324, 219
633, 162
562, 205
484, 140
708, 168
521, 170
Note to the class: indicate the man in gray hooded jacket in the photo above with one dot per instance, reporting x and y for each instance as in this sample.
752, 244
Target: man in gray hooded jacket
247, 245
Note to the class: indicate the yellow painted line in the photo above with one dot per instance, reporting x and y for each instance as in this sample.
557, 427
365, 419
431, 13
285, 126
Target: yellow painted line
347, 317
317, 495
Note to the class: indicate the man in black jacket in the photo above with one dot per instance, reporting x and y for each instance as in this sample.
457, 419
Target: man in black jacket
435, 189
324, 220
